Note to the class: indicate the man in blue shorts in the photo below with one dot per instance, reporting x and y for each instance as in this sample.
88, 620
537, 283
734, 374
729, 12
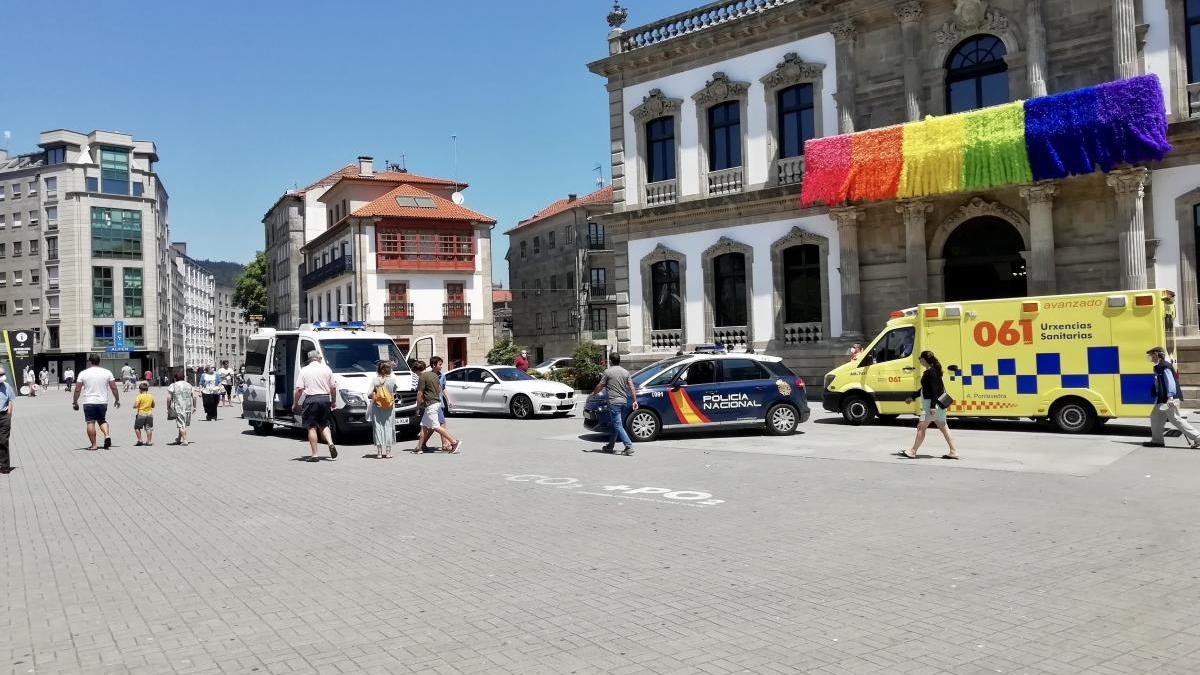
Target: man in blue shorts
91, 390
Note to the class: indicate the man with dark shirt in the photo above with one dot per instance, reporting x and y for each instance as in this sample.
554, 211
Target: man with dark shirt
429, 397
622, 397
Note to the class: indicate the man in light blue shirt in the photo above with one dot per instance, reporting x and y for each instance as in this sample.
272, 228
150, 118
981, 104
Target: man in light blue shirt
6, 410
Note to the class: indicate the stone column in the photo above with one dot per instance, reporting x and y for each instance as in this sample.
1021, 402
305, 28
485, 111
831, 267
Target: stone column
909, 13
845, 37
1124, 27
847, 224
916, 259
1040, 197
1130, 186
1036, 52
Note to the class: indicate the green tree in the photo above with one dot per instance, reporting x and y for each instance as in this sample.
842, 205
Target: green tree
250, 287
503, 352
586, 365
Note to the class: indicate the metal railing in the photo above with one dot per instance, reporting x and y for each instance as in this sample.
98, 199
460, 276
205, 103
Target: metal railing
456, 310
789, 170
725, 181
397, 310
598, 291
597, 242
331, 270
712, 14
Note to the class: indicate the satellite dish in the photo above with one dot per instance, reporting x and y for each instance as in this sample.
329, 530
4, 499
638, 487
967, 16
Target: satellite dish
457, 198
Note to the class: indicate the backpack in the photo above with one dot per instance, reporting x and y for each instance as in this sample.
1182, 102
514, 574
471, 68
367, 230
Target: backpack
383, 397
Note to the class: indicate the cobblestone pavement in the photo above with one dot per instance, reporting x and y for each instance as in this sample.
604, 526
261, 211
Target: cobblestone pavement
706, 554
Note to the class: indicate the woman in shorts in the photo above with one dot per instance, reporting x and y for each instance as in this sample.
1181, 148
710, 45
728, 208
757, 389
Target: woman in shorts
933, 411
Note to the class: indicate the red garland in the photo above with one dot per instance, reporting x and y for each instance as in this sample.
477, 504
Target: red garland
826, 168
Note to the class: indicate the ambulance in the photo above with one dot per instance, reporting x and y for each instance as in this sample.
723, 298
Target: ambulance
1074, 360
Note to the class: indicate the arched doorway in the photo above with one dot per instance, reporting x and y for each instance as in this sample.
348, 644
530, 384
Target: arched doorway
983, 260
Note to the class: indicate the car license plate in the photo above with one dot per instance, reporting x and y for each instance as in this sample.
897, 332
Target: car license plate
402, 421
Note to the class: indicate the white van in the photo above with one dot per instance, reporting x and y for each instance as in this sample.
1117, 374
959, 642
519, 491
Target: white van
273, 362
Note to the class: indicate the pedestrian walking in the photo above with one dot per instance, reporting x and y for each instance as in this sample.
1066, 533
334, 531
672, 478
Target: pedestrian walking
143, 419
68, 379
91, 390
127, 377
429, 396
934, 402
181, 403
521, 363
148, 376
382, 410
622, 397
319, 391
44, 378
210, 390
1168, 394
225, 376
30, 381
7, 394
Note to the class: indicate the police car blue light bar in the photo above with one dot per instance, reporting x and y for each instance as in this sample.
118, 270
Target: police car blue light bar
336, 325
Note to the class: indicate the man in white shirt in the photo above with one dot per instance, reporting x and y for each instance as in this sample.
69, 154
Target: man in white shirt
316, 384
68, 379
91, 389
225, 376
126, 376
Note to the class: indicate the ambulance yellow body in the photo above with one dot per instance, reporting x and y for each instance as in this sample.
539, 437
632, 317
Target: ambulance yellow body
1075, 360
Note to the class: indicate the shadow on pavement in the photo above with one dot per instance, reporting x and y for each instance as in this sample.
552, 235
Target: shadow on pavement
1013, 425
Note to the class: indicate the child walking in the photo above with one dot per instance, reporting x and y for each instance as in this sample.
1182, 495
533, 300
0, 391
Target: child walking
143, 407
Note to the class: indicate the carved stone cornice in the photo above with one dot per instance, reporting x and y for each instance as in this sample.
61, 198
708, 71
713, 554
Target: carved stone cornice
910, 11
1039, 193
846, 216
792, 70
843, 31
914, 209
725, 245
970, 16
720, 89
655, 105
978, 206
661, 252
1130, 181
798, 236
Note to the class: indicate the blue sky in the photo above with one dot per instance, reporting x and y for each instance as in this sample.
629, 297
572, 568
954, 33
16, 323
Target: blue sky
247, 99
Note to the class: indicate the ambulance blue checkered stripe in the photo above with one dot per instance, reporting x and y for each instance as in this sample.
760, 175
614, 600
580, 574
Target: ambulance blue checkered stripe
1134, 387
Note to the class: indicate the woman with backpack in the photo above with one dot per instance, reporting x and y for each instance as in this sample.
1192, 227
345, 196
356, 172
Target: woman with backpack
382, 411
934, 402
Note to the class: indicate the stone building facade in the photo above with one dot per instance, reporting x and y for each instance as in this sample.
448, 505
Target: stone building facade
560, 264
195, 303
709, 111
231, 330
403, 255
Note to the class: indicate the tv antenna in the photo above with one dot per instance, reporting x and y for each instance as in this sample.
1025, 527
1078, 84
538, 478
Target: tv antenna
457, 197
599, 169
7, 137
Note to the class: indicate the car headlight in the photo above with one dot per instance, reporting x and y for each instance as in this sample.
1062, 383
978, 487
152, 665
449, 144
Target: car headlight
543, 394
352, 397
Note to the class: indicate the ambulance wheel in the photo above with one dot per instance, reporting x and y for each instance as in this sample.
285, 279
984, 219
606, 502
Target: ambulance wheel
858, 410
643, 425
782, 419
261, 428
521, 407
1073, 416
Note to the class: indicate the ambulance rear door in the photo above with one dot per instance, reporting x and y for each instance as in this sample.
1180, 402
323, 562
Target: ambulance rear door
942, 334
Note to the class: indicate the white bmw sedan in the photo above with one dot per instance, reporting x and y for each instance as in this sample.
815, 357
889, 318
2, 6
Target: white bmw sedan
504, 389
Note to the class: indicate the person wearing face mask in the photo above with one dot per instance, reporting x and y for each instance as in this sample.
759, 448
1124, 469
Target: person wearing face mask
1167, 394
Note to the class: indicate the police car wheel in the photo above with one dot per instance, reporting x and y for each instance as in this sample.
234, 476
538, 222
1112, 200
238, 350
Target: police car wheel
782, 419
521, 407
642, 426
1073, 416
858, 410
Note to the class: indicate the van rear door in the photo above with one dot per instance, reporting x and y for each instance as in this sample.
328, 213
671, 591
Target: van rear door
422, 349
283, 374
257, 400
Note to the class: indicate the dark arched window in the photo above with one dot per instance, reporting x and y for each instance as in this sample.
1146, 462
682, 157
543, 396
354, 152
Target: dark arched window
802, 284
667, 312
724, 136
976, 74
660, 149
796, 123
729, 290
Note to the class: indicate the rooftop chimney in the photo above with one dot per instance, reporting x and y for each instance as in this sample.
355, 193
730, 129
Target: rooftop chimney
366, 166
572, 197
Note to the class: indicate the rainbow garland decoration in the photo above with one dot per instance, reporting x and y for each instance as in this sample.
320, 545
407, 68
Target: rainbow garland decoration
1049, 137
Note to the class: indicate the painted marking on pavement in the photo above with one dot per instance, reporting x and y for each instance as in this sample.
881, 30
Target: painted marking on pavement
694, 498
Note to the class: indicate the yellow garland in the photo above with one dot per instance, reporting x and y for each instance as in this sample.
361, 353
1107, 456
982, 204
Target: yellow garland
933, 153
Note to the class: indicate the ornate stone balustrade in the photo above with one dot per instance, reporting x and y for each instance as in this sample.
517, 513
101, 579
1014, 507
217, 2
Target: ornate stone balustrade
666, 340
725, 181
801, 333
788, 170
662, 192
712, 14
736, 337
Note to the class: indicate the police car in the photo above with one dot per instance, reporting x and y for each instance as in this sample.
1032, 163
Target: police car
705, 390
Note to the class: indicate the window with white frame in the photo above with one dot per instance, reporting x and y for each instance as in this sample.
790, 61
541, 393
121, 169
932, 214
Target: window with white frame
35, 305
51, 217
32, 187
18, 306
52, 187
18, 277
33, 218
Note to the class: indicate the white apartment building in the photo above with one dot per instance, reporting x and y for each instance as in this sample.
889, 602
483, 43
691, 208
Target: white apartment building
85, 211
196, 299
402, 256
232, 329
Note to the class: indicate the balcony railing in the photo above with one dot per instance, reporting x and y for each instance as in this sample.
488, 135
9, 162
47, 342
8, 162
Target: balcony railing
712, 14
788, 170
666, 340
725, 181
1193, 94
598, 291
397, 310
456, 310
802, 333
598, 334
597, 242
331, 270
660, 193
734, 337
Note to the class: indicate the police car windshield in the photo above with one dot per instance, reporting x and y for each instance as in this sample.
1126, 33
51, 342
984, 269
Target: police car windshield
511, 375
361, 356
645, 374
